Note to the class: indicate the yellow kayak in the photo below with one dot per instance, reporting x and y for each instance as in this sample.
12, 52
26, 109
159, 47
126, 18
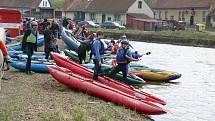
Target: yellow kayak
157, 75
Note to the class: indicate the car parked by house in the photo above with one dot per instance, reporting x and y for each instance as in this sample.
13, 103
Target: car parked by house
112, 25
90, 24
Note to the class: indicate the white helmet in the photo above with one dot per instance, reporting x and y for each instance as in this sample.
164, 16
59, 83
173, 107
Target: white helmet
34, 23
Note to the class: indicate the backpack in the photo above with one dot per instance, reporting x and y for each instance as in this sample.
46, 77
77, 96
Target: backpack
120, 56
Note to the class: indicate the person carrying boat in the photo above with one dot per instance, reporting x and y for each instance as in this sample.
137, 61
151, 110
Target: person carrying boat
97, 51
83, 50
29, 44
123, 58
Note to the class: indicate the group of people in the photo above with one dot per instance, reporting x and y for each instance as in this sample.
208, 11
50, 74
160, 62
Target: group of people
123, 57
30, 38
91, 42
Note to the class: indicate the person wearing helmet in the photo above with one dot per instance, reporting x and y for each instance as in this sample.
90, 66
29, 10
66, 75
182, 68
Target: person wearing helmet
29, 44
123, 58
123, 38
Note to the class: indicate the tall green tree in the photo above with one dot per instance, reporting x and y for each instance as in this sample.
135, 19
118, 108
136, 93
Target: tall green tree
57, 4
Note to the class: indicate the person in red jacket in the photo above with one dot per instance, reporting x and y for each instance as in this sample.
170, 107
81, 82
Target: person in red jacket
3, 46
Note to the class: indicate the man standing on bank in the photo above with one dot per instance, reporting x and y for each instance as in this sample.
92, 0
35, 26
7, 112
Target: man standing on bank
97, 50
29, 44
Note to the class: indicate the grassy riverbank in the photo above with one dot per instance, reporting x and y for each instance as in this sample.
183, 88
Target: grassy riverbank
188, 37
39, 97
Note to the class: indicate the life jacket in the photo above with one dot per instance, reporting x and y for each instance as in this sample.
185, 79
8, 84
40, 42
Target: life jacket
31, 38
113, 50
101, 50
120, 56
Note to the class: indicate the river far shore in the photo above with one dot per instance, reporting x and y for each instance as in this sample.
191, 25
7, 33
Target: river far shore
185, 38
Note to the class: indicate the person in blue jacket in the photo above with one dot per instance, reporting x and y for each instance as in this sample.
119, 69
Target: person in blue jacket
123, 58
97, 51
29, 44
54, 46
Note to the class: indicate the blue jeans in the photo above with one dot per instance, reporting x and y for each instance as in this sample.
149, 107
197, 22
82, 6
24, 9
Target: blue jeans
97, 69
29, 51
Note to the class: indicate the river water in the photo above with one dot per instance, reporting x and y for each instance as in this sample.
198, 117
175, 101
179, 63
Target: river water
191, 97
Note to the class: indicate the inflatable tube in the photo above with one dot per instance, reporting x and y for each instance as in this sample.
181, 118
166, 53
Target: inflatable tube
18, 46
70, 40
9, 40
83, 71
105, 92
36, 66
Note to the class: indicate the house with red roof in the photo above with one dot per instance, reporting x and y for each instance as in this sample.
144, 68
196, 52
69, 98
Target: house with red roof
30, 8
124, 12
190, 11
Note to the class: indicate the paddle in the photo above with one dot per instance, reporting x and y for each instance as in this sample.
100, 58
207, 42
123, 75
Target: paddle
147, 53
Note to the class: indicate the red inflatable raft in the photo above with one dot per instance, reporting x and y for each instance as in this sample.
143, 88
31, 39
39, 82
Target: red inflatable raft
76, 68
105, 92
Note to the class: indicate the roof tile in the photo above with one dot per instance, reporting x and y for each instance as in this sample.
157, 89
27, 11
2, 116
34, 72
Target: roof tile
174, 4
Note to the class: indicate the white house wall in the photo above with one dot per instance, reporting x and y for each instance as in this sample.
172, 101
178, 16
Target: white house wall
98, 18
68, 14
213, 21
144, 10
44, 3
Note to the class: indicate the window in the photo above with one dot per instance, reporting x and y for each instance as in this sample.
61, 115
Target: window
213, 19
92, 16
140, 4
203, 16
46, 4
179, 16
109, 18
43, 3
183, 19
160, 15
166, 13
117, 17
171, 17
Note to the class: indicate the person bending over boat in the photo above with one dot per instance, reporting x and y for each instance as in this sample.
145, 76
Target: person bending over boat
29, 44
48, 37
97, 50
123, 58
84, 48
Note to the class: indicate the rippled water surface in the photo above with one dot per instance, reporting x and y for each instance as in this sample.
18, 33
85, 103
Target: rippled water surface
193, 97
